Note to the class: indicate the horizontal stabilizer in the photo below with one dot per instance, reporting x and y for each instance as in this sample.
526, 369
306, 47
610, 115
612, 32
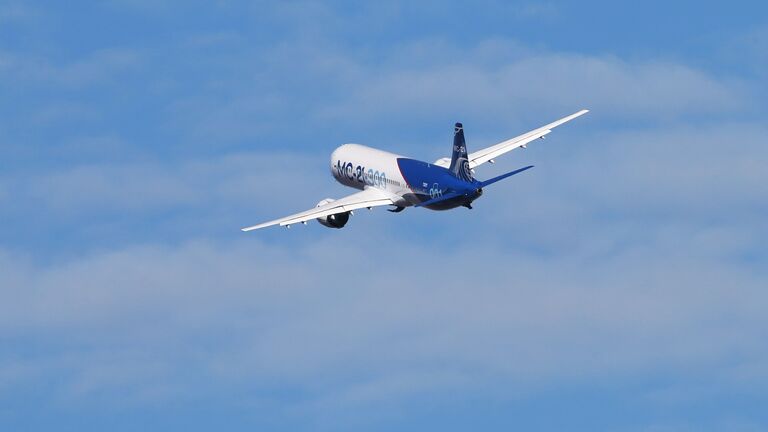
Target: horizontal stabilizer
503, 176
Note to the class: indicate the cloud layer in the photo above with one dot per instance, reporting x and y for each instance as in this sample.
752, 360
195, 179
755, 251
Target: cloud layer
626, 270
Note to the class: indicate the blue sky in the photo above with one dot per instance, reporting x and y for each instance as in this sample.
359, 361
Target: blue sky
620, 285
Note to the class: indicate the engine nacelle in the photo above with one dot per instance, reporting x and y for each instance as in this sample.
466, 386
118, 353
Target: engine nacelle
337, 220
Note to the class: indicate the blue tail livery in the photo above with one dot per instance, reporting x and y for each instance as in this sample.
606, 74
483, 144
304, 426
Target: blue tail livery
459, 159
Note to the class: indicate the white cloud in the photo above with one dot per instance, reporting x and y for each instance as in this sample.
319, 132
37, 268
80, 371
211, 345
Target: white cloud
618, 296
684, 173
610, 86
494, 82
619, 258
145, 187
626, 255
97, 68
331, 315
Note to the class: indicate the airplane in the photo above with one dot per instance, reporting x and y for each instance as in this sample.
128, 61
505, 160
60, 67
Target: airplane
388, 179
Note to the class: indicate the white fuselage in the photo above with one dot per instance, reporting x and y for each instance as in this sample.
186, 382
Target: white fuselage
358, 166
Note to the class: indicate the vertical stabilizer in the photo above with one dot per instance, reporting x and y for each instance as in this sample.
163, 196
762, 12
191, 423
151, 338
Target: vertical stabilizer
459, 163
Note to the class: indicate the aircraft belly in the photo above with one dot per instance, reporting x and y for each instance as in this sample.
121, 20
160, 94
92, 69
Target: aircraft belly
417, 198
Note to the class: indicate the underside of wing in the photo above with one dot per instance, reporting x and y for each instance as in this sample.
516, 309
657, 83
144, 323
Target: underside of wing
364, 199
489, 153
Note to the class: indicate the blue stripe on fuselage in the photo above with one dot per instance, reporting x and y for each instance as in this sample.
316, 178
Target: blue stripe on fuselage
429, 181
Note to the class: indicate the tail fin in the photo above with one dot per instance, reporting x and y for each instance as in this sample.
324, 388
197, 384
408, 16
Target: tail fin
459, 161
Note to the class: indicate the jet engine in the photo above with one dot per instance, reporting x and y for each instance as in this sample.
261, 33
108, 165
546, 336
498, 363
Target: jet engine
337, 220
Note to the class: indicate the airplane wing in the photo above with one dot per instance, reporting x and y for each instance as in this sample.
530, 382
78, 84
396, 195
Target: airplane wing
367, 198
489, 153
